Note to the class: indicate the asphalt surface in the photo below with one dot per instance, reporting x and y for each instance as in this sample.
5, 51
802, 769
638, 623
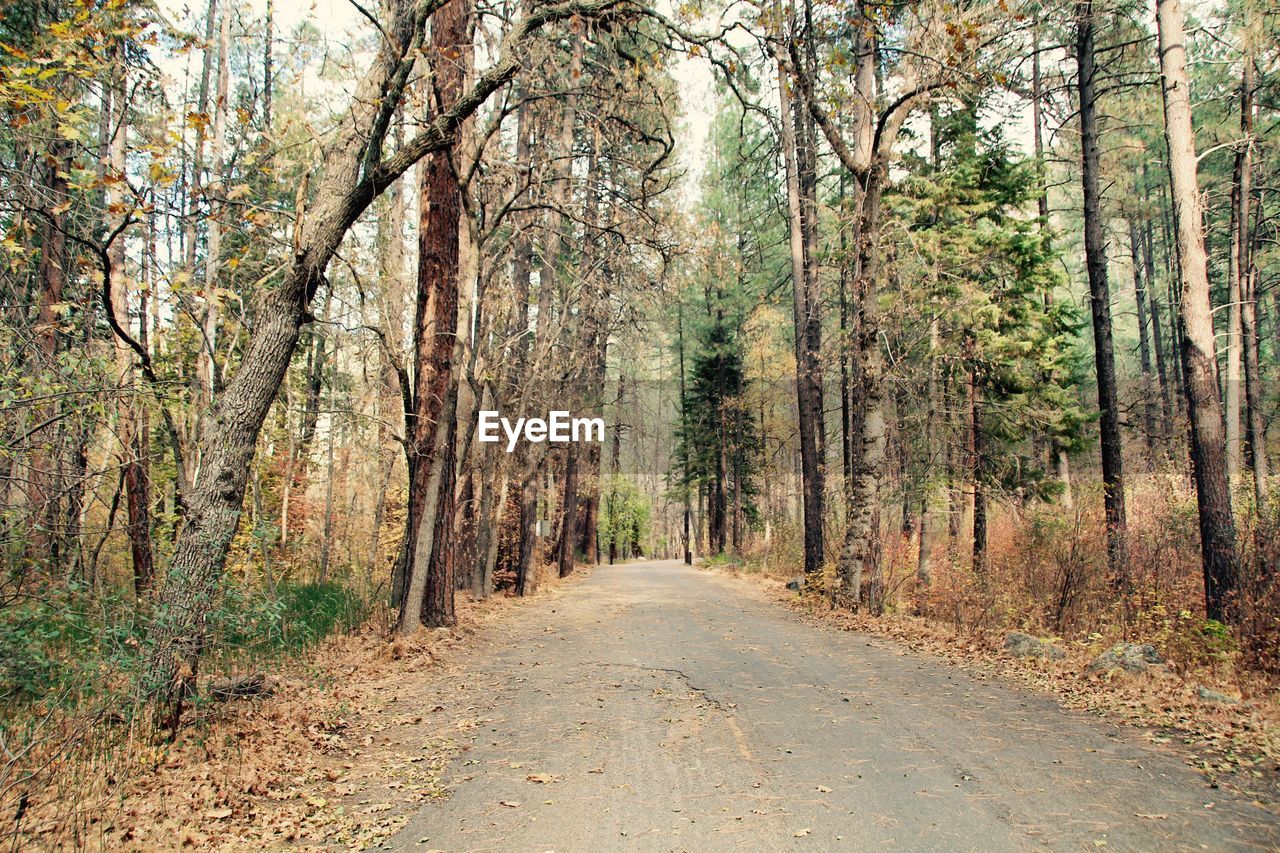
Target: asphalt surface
656, 707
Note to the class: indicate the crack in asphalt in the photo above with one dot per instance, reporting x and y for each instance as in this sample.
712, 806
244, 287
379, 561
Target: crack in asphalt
718, 704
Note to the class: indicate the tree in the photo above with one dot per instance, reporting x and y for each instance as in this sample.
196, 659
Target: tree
354, 174
427, 545
1100, 299
1199, 367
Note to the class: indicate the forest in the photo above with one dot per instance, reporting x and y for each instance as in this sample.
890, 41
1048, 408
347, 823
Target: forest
958, 316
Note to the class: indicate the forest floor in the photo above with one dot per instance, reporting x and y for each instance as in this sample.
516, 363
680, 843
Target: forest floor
651, 707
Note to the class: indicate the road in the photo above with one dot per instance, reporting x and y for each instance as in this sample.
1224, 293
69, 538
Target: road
657, 707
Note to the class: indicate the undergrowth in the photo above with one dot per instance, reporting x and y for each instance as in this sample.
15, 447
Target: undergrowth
69, 657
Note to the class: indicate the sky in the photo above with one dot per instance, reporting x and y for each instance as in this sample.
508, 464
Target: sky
341, 24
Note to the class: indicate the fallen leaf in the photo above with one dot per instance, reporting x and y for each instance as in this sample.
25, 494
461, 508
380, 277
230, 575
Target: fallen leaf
218, 814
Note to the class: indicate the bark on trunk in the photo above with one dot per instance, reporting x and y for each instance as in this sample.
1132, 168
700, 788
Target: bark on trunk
869, 441
930, 492
1242, 251
354, 175
1157, 329
1100, 300
977, 473
1057, 453
1199, 367
807, 338
1144, 346
569, 514
133, 440
435, 336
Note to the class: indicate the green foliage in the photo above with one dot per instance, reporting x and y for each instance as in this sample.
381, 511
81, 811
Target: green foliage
991, 275
718, 441
624, 516
65, 645
297, 617
60, 645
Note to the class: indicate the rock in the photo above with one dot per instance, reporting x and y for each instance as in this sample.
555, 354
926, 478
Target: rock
1130, 657
796, 584
1207, 694
1026, 646
240, 687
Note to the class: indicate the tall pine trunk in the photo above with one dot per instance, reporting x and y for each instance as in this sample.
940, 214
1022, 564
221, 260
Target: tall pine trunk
435, 337
1199, 366
1058, 454
807, 324
1095, 248
1144, 345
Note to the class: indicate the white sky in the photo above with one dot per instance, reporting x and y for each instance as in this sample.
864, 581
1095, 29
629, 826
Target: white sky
341, 24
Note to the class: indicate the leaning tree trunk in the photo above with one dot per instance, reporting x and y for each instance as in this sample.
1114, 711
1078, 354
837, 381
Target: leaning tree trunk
353, 176
1095, 247
1199, 367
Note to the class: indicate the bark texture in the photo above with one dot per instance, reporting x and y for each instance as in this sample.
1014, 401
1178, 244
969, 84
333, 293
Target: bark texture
353, 175
1095, 248
1199, 367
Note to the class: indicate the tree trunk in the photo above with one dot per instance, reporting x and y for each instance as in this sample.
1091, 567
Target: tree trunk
526, 571
1144, 345
684, 453
133, 440
929, 496
977, 473
1199, 367
213, 252
435, 332
1100, 301
418, 576
52, 274
352, 177
1056, 451
1242, 245
808, 340
569, 513
869, 441
326, 543
438, 599
1231, 382
1157, 330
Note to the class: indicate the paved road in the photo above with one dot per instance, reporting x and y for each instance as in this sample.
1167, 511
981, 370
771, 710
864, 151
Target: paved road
655, 707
